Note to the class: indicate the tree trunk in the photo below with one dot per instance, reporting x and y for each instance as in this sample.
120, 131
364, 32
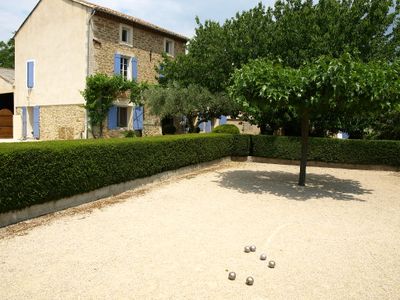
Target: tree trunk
305, 130
101, 130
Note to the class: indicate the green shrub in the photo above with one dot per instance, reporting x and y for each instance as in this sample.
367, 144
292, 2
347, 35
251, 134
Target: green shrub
129, 134
364, 152
226, 128
241, 145
34, 173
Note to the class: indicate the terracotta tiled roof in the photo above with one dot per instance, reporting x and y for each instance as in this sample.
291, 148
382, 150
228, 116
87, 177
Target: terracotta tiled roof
8, 75
143, 23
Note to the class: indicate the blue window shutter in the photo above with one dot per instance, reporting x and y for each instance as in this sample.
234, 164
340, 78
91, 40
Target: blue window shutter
223, 120
134, 68
24, 123
112, 118
208, 127
30, 81
117, 64
36, 122
138, 118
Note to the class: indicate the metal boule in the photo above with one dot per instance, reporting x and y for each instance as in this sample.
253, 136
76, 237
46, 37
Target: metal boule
232, 276
263, 256
271, 264
253, 248
247, 249
250, 280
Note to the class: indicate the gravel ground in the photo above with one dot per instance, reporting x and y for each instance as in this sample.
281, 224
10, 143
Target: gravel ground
338, 238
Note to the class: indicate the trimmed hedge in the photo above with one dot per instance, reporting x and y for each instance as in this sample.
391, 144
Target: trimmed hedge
226, 128
363, 152
34, 173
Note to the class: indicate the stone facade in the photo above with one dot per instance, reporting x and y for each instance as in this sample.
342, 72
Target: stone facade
147, 47
62, 122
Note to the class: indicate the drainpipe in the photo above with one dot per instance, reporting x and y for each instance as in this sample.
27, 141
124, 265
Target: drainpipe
89, 37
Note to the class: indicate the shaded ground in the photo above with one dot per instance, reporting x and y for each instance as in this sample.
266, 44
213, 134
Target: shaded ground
339, 239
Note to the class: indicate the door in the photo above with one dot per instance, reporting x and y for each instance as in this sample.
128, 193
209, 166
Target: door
6, 124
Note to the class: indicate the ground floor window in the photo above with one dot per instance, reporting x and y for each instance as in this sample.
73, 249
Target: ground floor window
122, 117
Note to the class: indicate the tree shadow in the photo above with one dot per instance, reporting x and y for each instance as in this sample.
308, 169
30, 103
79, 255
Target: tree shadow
284, 184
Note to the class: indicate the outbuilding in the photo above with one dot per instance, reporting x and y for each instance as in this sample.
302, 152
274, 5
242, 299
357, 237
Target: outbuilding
6, 103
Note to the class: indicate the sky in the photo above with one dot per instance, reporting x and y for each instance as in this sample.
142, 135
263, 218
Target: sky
176, 15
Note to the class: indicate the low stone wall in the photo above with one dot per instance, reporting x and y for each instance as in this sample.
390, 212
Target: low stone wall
62, 122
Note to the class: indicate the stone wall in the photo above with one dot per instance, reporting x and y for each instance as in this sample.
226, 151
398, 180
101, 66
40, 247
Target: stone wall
147, 47
62, 122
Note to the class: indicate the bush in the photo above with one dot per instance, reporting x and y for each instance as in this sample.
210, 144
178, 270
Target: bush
34, 173
226, 128
364, 152
129, 134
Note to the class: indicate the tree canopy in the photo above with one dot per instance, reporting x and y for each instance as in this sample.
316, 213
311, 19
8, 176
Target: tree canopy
345, 85
7, 53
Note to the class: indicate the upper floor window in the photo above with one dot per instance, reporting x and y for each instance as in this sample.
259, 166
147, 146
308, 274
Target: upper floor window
124, 67
169, 47
30, 74
126, 35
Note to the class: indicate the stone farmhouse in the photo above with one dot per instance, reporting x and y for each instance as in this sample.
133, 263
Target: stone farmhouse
61, 43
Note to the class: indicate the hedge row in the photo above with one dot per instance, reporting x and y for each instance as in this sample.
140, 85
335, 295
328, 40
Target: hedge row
363, 152
34, 173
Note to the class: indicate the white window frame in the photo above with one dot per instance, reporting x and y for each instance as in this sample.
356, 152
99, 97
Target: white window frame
34, 73
130, 35
172, 50
129, 67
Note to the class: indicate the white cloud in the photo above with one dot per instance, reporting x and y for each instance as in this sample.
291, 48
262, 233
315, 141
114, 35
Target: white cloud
175, 15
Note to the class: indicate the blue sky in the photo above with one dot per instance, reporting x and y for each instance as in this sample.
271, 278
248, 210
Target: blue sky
176, 15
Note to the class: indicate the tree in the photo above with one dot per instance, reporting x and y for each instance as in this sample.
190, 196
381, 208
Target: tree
100, 93
7, 53
345, 86
294, 32
195, 103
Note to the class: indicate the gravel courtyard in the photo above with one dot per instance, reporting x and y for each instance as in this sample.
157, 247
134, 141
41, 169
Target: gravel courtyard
338, 238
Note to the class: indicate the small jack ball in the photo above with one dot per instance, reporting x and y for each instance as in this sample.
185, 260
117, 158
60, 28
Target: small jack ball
253, 248
263, 256
250, 281
232, 276
271, 264
247, 249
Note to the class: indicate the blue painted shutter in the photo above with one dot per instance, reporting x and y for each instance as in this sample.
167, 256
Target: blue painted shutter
134, 68
36, 122
117, 64
30, 81
112, 118
161, 75
208, 126
223, 120
24, 123
138, 118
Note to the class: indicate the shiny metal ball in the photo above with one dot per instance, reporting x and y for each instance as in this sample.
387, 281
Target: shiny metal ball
247, 249
253, 248
232, 276
263, 256
271, 264
250, 280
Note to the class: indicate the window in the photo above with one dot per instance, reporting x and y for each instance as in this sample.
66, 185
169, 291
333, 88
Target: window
124, 67
126, 35
169, 46
122, 117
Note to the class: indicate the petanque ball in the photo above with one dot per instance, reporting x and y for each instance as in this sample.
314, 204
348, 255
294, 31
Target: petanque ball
232, 276
247, 249
250, 280
263, 256
253, 248
271, 264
